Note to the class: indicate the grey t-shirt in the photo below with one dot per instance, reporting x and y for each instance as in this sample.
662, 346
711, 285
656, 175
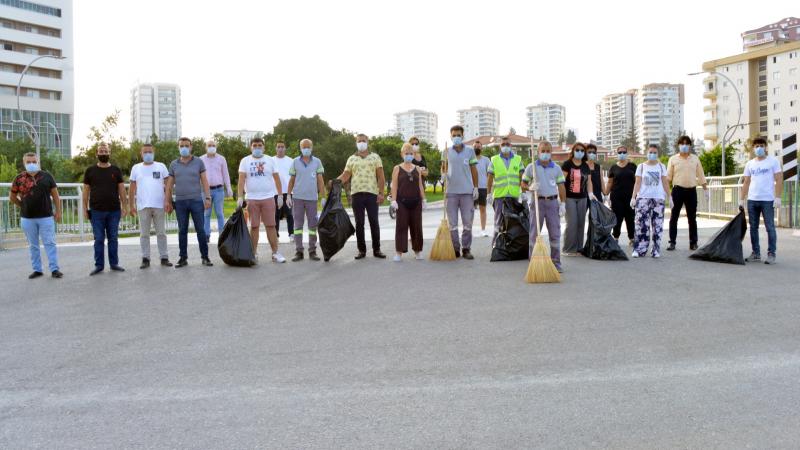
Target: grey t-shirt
549, 178
305, 178
187, 178
459, 175
483, 171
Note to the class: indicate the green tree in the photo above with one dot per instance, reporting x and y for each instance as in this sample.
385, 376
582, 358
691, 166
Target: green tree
561, 139
712, 161
8, 169
571, 138
663, 146
631, 141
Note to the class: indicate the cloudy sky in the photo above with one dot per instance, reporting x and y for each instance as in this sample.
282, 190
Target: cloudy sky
246, 64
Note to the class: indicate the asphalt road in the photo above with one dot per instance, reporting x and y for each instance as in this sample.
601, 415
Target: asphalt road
374, 354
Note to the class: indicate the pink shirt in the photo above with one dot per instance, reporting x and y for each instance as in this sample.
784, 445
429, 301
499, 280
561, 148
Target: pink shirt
217, 172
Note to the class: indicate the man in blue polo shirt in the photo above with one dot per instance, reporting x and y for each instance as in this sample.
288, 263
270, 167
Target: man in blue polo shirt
548, 185
462, 190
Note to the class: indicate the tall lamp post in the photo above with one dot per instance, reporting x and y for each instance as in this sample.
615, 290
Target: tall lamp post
33, 133
738, 119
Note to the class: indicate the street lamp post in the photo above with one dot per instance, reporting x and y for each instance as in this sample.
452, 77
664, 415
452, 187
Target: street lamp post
35, 134
738, 119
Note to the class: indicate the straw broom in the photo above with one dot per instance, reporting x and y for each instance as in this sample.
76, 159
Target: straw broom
541, 268
442, 249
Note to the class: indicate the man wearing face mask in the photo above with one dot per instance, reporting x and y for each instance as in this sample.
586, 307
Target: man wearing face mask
462, 190
483, 167
105, 202
32, 191
504, 180
306, 184
219, 181
761, 196
685, 172
146, 199
364, 170
548, 184
187, 180
282, 165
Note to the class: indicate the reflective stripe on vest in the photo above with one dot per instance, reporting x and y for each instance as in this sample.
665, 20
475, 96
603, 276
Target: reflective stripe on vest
506, 180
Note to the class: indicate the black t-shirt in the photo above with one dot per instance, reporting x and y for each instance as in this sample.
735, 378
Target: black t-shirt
597, 181
624, 179
420, 163
34, 190
577, 179
104, 187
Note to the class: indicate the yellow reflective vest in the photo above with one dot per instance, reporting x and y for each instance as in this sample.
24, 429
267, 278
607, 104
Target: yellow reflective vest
506, 180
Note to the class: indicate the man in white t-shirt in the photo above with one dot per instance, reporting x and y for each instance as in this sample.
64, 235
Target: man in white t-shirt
762, 188
259, 179
146, 198
282, 165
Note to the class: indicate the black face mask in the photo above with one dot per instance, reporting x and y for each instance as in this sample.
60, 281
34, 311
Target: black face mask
477, 152
102, 158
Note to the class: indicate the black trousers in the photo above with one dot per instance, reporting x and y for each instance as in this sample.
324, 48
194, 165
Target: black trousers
683, 197
366, 202
284, 212
622, 209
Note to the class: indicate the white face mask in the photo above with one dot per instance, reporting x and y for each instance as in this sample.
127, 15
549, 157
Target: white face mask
212, 150
361, 146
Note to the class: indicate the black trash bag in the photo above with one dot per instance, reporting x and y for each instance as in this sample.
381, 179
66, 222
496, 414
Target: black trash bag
234, 244
726, 244
599, 242
334, 228
514, 233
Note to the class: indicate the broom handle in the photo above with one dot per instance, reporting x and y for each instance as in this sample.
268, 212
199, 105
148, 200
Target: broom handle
536, 192
444, 181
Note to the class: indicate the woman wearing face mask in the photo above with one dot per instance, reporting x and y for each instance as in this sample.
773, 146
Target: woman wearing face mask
621, 178
649, 194
419, 160
595, 171
579, 186
408, 194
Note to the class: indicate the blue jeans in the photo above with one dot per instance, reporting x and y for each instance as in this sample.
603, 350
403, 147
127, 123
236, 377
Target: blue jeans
45, 228
195, 208
755, 209
105, 225
217, 204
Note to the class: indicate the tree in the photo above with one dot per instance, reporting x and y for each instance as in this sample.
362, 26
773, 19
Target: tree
712, 161
8, 169
663, 146
631, 141
571, 138
561, 139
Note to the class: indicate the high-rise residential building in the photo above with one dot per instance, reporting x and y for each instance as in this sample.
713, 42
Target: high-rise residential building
616, 116
155, 110
659, 113
415, 122
546, 120
28, 31
766, 77
479, 121
246, 135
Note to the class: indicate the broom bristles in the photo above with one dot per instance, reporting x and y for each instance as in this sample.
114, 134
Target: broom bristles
541, 268
442, 249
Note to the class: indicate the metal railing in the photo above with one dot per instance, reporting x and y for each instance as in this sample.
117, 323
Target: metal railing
723, 200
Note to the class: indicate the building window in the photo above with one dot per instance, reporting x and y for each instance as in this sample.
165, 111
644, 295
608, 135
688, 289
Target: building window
792, 103
776, 75
774, 59
776, 122
776, 106
793, 119
776, 91
741, 82
776, 137
793, 71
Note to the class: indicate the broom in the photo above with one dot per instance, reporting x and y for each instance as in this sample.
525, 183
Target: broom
442, 249
541, 268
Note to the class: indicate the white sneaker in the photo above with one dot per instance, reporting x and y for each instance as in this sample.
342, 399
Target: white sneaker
397, 258
419, 256
635, 254
656, 255
484, 233
278, 258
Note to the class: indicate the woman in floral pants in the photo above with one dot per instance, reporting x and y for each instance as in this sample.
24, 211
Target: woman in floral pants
649, 194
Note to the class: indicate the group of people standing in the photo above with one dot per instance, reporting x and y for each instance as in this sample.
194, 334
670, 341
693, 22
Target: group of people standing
279, 186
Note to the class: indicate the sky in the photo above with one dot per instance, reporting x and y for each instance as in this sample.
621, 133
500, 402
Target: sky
247, 64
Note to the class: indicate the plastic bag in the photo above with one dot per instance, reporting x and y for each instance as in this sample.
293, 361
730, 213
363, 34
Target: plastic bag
600, 244
514, 233
726, 244
234, 245
334, 228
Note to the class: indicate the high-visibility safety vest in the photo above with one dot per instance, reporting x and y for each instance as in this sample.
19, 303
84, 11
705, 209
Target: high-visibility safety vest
506, 180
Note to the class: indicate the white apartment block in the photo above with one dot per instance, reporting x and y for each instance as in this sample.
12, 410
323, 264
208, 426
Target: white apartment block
546, 120
415, 122
39, 33
479, 121
155, 110
246, 135
659, 112
615, 118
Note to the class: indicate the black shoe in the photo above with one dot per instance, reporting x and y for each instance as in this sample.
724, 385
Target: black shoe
145, 263
35, 275
207, 262
671, 247
378, 254
361, 255
458, 253
468, 254
117, 269
313, 256
692, 247
298, 256
56, 274
96, 271
165, 262
181, 263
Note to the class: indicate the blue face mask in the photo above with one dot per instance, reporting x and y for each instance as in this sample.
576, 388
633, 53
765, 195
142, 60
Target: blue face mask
305, 151
652, 156
622, 156
408, 158
185, 151
32, 167
505, 150
761, 152
592, 156
544, 156
258, 152
579, 154
458, 140
683, 148
148, 157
